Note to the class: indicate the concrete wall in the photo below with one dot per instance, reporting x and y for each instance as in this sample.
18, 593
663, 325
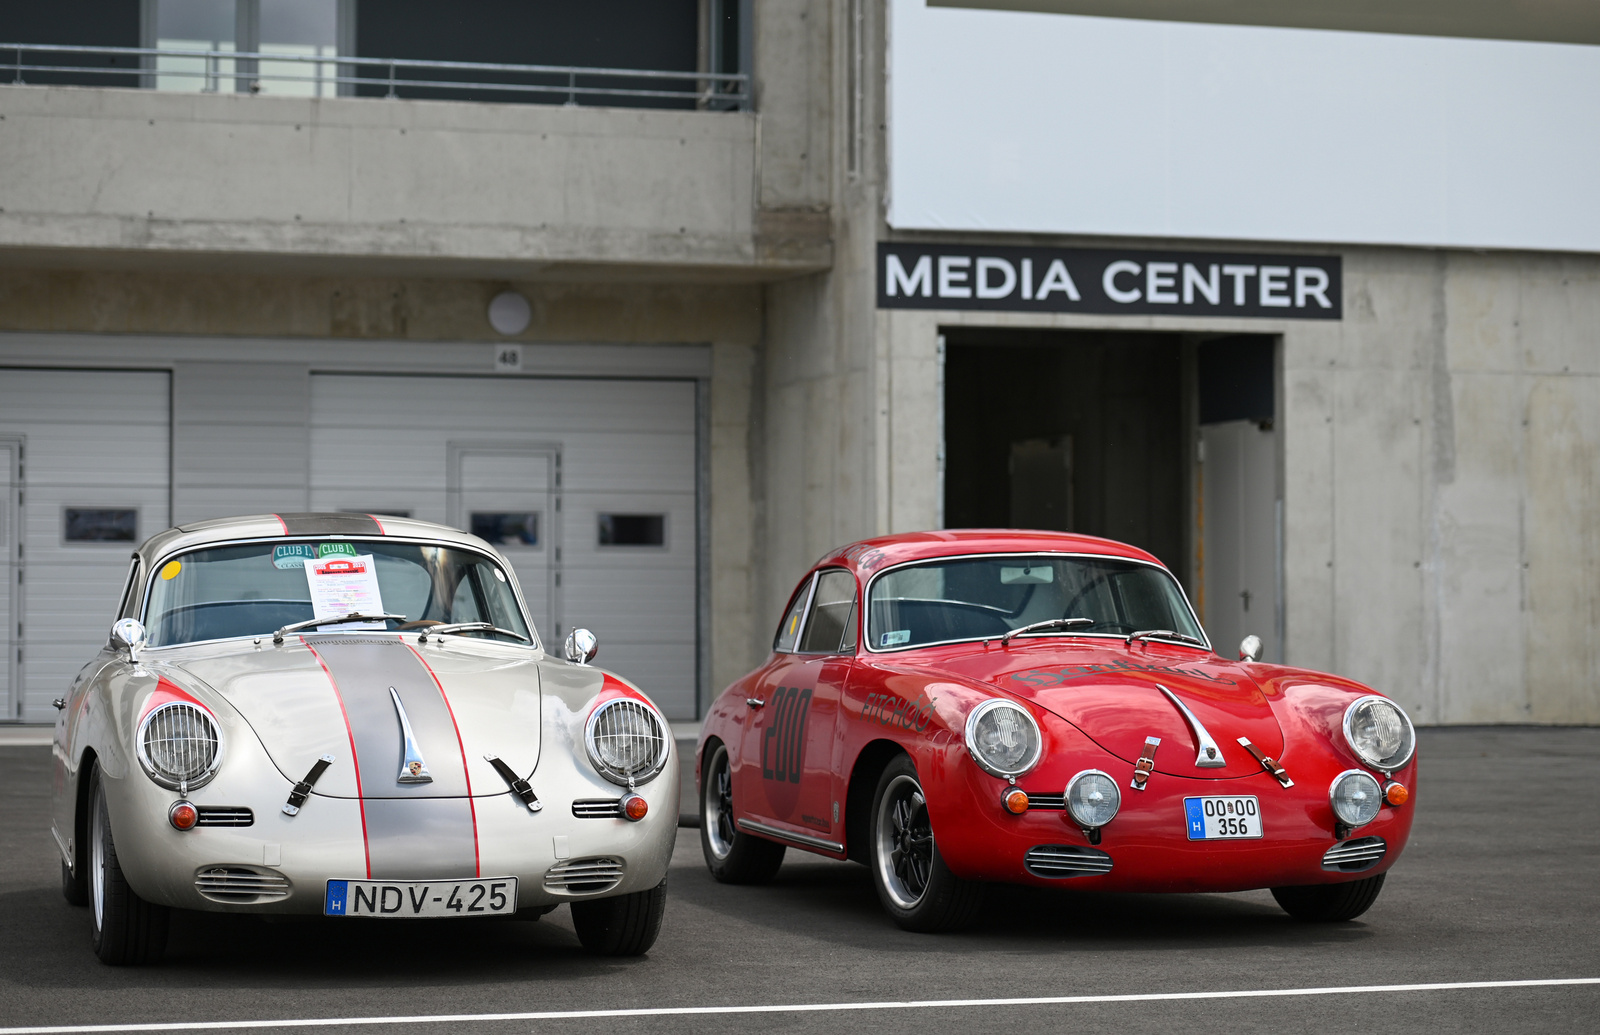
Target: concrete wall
1441, 475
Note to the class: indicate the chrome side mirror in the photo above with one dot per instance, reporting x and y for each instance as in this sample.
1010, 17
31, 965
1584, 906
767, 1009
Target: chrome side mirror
1250, 648
129, 634
581, 646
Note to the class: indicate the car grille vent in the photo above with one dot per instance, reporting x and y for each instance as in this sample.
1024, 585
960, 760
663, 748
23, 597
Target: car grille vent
1066, 861
226, 816
597, 808
584, 876
241, 884
1358, 854
1047, 802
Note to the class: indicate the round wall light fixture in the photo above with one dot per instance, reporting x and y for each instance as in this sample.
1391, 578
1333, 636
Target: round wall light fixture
509, 313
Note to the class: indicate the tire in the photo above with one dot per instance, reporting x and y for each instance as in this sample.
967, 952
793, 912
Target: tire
732, 856
1324, 903
128, 931
74, 889
626, 925
915, 886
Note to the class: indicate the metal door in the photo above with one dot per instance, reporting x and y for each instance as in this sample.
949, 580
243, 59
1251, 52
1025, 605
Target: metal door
509, 494
1239, 525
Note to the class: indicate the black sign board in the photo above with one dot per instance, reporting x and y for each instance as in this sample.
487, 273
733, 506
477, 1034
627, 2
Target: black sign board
1085, 280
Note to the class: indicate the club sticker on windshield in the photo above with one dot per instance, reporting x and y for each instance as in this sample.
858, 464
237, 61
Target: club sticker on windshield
342, 585
293, 555
895, 637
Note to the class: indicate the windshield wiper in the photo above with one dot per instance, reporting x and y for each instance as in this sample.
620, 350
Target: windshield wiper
1048, 623
454, 627
1165, 634
353, 616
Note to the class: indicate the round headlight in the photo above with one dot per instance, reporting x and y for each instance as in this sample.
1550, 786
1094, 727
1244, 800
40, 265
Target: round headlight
1380, 733
1356, 798
1093, 798
1003, 738
179, 746
627, 741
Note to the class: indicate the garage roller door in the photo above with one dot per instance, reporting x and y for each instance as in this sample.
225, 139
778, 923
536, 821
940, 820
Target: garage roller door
86, 471
587, 486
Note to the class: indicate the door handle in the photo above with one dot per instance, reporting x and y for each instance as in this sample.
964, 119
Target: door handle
754, 702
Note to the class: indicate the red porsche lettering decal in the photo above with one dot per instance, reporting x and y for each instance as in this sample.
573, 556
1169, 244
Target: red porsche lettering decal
1048, 677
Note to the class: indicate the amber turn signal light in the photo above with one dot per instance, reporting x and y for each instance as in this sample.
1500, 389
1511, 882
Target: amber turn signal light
1396, 793
634, 808
183, 815
1015, 800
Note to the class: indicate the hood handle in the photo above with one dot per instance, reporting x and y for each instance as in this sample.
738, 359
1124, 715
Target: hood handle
1209, 756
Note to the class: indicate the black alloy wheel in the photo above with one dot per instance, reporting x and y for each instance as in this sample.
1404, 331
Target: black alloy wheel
916, 888
732, 856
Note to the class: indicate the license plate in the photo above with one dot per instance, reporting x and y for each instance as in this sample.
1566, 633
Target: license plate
1216, 817
392, 899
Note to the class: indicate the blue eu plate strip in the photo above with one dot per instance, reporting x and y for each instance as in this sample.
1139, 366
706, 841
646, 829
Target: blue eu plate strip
1193, 808
338, 895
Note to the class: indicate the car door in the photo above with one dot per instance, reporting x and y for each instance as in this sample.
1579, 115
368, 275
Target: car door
787, 773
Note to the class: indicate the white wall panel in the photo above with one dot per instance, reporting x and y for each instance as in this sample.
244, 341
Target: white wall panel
93, 438
625, 447
1013, 121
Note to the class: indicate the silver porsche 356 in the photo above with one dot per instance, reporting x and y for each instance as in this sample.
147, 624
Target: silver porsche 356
350, 716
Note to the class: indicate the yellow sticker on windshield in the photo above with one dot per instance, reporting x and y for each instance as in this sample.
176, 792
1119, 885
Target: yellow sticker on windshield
170, 572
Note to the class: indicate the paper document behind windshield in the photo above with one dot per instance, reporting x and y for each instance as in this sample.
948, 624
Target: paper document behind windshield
341, 585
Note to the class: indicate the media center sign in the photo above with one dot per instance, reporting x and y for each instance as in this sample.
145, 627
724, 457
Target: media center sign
1083, 280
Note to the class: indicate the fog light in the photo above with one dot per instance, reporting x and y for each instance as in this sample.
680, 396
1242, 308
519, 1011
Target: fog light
1355, 798
634, 808
1093, 798
1396, 793
1015, 801
183, 815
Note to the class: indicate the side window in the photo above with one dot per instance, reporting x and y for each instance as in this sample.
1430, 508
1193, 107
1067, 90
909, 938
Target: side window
789, 631
831, 609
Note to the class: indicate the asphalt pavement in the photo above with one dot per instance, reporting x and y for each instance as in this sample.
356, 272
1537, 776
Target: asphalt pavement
1499, 885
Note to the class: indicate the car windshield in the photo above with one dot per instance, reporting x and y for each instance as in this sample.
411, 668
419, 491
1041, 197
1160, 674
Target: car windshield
987, 597
254, 589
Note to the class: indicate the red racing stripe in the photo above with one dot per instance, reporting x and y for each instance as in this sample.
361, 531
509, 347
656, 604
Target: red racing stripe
282, 524
375, 521
366, 848
477, 864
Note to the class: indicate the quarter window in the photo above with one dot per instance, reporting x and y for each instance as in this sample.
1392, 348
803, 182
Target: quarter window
789, 631
832, 614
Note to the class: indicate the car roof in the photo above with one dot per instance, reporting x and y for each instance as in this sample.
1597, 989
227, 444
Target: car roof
872, 555
310, 525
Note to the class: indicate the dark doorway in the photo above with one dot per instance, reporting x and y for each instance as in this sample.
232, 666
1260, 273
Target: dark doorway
1080, 431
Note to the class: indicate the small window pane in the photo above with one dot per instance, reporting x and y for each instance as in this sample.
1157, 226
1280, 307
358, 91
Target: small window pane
633, 530
789, 631
101, 525
506, 529
825, 629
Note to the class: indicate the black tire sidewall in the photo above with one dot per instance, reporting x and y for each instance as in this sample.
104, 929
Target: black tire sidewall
947, 902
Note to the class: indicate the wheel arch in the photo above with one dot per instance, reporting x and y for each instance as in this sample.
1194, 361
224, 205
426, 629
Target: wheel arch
869, 765
80, 811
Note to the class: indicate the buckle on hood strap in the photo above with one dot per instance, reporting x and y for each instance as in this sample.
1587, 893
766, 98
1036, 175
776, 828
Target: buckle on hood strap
1147, 763
1267, 762
520, 787
297, 797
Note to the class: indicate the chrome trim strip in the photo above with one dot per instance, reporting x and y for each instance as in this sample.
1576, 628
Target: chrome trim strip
799, 839
1209, 755
413, 768
866, 597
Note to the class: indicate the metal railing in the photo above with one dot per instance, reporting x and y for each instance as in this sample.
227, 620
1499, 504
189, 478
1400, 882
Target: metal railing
388, 76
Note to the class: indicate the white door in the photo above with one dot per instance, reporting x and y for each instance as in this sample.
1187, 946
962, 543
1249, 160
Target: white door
608, 465
506, 494
98, 475
10, 566
1239, 524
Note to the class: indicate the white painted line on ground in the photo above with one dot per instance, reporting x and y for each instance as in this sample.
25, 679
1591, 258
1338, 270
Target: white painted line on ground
709, 1011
